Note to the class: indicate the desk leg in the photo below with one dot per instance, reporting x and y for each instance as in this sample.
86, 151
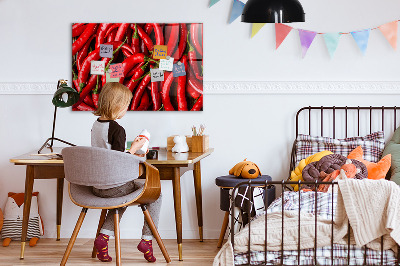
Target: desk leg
27, 206
60, 190
199, 204
176, 182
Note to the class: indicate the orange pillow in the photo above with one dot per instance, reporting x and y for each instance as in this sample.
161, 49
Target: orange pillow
375, 170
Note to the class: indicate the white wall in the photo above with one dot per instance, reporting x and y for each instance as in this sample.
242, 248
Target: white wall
35, 47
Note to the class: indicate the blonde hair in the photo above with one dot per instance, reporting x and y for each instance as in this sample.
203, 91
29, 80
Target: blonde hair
113, 97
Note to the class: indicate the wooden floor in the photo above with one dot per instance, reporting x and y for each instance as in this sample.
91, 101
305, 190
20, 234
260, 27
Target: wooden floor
50, 252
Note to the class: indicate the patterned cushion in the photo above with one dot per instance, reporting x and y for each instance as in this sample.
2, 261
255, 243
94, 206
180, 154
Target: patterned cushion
372, 144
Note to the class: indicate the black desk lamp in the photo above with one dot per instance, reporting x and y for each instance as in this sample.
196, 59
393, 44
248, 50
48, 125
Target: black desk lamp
64, 97
273, 11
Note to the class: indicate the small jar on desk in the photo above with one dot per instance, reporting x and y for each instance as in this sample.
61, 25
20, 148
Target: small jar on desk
226, 183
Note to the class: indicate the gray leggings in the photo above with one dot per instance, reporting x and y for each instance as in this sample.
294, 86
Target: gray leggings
154, 208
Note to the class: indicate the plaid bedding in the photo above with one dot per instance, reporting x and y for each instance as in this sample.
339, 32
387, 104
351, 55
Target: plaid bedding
372, 145
322, 207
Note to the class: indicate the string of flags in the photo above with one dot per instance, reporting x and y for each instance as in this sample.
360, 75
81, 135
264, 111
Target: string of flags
361, 37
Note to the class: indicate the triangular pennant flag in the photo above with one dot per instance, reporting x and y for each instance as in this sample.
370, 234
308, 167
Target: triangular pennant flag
213, 2
332, 41
256, 27
306, 39
361, 37
237, 9
390, 32
281, 31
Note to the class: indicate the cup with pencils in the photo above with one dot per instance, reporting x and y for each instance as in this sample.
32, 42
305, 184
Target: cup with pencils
199, 140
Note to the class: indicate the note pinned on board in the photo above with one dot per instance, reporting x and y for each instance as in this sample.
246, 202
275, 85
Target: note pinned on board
110, 79
116, 70
179, 70
106, 50
160, 51
167, 64
156, 75
97, 67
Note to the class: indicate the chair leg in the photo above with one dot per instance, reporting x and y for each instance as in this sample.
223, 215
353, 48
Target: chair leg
73, 237
101, 222
154, 230
223, 229
117, 239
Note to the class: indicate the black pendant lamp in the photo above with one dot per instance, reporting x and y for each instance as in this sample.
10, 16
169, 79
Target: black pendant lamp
273, 11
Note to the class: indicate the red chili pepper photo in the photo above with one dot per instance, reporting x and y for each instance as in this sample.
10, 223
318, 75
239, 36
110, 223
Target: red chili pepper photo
133, 45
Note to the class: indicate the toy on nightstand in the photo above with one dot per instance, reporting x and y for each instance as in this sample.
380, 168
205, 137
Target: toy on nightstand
180, 144
13, 215
245, 169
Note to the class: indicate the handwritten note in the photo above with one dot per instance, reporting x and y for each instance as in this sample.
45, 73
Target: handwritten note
106, 50
110, 79
167, 64
160, 51
97, 67
156, 75
116, 70
179, 70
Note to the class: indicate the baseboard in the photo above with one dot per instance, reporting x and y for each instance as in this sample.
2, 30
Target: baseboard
246, 87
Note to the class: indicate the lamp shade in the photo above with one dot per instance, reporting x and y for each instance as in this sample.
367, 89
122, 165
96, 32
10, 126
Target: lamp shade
65, 96
273, 11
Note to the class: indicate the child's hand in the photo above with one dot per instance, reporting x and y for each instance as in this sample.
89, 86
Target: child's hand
137, 144
143, 155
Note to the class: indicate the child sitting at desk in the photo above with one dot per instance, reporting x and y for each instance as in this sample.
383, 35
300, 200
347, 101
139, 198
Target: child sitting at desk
106, 133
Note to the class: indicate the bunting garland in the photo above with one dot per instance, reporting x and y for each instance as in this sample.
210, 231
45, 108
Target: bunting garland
361, 37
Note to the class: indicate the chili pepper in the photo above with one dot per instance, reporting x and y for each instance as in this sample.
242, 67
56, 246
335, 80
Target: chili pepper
133, 70
144, 103
182, 42
145, 38
129, 62
101, 33
139, 91
173, 38
87, 33
135, 41
158, 33
155, 96
166, 86
95, 93
77, 29
136, 77
129, 36
76, 85
198, 105
192, 59
194, 87
148, 28
88, 100
112, 28
121, 32
85, 91
194, 33
181, 93
127, 48
143, 48
84, 107
82, 54
111, 36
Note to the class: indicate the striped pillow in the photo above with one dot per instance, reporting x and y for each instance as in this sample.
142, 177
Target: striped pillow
13, 228
372, 145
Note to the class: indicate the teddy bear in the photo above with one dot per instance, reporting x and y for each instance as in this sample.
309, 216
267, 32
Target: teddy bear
13, 215
245, 169
180, 144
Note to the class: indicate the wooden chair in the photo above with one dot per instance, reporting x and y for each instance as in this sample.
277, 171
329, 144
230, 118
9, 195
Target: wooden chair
85, 167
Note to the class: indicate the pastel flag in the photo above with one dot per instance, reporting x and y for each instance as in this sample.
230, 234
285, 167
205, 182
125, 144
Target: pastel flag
237, 8
281, 31
306, 39
256, 27
361, 37
213, 2
332, 41
389, 30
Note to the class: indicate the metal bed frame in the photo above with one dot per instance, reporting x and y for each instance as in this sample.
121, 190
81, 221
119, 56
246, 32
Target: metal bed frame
283, 184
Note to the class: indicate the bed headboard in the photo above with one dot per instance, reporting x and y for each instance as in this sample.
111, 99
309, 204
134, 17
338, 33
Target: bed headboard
344, 121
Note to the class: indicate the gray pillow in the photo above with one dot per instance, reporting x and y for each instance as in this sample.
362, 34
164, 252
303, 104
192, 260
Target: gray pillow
393, 148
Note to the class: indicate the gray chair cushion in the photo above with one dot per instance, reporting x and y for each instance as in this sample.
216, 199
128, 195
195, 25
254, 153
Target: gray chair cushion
83, 196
